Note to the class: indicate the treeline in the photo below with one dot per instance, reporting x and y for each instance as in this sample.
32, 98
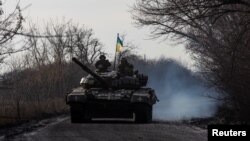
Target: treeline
38, 91
41, 72
39, 78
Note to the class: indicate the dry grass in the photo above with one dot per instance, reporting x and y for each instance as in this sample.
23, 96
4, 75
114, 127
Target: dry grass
30, 110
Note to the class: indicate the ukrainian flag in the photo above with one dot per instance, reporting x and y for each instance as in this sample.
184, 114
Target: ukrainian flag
119, 44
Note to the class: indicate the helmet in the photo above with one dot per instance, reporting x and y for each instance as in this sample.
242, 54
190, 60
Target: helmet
124, 60
102, 57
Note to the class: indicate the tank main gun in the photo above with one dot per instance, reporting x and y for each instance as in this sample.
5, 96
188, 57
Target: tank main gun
89, 71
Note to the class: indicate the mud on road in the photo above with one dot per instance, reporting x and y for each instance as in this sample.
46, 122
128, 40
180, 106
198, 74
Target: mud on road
64, 130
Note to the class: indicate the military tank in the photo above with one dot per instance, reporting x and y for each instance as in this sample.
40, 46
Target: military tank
106, 95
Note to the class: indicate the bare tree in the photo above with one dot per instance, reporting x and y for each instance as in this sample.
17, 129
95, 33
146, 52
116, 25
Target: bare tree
176, 17
83, 45
216, 32
37, 48
58, 44
65, 40
9, 26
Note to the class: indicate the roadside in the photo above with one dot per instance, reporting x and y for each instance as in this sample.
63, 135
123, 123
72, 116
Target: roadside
32, 127
11, 131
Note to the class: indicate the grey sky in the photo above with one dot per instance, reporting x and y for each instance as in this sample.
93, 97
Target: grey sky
106, 18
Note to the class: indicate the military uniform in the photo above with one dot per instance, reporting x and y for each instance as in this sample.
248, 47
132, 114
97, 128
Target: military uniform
125, 68
102, 64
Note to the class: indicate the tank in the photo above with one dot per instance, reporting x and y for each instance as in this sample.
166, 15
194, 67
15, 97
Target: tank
107, 95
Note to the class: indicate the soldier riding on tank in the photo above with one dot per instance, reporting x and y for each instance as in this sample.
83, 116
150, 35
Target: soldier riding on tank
125, 68
103, 64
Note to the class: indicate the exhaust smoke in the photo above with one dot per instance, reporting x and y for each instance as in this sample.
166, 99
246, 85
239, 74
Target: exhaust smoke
182, 95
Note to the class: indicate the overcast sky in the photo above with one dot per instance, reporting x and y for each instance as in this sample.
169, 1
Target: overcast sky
105, 17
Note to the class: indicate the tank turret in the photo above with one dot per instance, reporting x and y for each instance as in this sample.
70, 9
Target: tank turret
93, 74
111, 79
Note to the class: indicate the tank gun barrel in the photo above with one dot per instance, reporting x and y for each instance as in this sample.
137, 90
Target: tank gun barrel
89, 71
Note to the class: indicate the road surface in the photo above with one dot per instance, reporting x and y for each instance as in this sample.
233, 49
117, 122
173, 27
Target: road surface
115, 131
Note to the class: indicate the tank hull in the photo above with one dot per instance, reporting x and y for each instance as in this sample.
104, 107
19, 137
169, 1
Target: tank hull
109, 109
100, 103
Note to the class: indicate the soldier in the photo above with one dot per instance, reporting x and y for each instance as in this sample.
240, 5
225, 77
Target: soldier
125, 68
102, 64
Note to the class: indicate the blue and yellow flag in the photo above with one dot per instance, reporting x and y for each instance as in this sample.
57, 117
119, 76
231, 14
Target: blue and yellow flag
119, 44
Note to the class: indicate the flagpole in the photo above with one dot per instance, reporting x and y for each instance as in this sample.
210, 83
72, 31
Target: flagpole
115, 50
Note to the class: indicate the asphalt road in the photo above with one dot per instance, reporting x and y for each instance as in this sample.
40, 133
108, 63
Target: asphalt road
115, 131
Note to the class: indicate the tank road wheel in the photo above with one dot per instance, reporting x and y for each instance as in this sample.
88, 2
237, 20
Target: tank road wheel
78, 114
143, 113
